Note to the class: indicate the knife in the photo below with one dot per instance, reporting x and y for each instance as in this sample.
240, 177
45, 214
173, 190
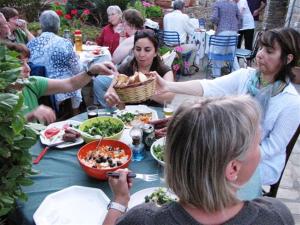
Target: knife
43, 152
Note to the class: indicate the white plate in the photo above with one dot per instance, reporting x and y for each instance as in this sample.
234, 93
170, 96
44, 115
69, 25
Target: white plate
73, 205
135, 109
54, 140
139, 197
161, 141
90, 47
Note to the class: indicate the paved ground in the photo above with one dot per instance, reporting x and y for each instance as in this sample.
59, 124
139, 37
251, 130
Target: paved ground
289, 190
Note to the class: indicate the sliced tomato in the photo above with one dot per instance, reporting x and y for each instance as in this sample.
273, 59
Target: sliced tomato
49, 133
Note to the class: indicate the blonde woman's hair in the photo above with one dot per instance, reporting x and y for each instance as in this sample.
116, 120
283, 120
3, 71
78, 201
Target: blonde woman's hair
201, 140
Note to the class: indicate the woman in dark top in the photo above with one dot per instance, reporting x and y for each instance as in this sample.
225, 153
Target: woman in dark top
146, 59
212, 149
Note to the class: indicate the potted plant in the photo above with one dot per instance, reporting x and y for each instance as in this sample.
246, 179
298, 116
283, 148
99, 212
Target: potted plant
15, 136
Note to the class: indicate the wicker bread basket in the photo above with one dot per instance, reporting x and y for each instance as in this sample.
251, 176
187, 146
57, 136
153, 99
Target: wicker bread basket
137, 93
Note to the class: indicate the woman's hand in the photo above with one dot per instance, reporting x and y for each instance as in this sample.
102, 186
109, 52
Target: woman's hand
111, 97
43, 114
107, 68
161, 84
120, 187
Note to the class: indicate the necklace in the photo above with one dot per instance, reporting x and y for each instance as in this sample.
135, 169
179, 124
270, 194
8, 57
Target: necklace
263, 82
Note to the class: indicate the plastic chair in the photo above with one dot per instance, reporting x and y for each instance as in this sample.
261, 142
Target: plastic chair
289, 148
248, 55
222, 49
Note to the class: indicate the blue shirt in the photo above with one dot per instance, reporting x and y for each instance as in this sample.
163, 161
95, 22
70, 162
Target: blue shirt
58, 56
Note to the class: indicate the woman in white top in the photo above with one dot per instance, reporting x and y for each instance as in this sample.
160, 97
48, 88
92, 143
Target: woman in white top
270, 85
247, 30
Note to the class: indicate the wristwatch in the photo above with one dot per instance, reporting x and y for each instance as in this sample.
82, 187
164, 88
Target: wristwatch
117, 206
88, 72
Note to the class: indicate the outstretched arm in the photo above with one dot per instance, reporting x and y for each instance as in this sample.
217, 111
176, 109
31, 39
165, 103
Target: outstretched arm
80, 80
192, 87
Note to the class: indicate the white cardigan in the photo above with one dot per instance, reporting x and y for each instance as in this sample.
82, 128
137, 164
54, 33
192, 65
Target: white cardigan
281, 120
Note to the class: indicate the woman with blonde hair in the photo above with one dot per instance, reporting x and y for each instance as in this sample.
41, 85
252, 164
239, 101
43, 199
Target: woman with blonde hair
212, 148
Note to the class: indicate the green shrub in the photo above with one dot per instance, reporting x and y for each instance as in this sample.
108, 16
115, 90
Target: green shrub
15, 137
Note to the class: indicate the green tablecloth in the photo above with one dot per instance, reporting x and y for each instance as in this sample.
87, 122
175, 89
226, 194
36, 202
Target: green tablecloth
59, 169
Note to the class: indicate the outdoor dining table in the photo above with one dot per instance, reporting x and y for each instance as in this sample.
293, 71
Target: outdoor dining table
59, 169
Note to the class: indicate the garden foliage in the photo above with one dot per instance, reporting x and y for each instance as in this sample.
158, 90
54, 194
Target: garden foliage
15, 137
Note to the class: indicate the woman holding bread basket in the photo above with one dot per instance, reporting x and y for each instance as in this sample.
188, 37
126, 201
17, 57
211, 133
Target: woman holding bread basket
146, 63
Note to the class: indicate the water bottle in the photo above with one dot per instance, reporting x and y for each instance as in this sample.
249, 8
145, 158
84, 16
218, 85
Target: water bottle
137, 147
78, 40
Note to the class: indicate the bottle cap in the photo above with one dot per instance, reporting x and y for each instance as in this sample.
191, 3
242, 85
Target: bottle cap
77, 32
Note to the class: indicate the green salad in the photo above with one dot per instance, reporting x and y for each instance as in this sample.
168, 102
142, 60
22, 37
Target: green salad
159, 197
158, 151
126, 117
104, 128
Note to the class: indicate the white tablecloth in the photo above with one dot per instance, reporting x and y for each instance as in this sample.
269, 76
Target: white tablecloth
86, 56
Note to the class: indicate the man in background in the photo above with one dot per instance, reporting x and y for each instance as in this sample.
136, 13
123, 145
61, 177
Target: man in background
256, 7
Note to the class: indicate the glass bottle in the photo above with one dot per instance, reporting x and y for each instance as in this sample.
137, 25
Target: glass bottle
78, 40
67, 35
137, 147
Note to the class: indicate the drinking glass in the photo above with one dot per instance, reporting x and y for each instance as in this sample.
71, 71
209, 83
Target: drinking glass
168, 109
92, 111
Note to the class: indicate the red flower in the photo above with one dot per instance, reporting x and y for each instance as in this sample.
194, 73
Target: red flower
74, 11
56, 3
68, 17
59, 12
86, 12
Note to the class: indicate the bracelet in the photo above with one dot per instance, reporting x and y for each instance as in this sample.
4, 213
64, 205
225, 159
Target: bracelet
117, 206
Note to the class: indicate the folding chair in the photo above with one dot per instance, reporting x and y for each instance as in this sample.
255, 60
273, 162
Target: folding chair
246, 54
289, 148
221, 49
169, 38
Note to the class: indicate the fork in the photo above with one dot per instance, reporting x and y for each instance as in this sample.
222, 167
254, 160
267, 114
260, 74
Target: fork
145, 177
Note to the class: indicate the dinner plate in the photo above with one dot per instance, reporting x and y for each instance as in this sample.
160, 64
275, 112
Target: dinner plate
135, 109
139, 197
161, 141
58, 138
73, 205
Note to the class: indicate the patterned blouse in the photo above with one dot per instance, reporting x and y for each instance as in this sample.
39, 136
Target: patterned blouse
58, 56
226, 16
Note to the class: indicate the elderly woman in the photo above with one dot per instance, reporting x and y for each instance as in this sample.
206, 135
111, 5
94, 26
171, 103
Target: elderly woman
18, 28
56, 54
41, 86
270, 84
206, 172
110, 34
132, 22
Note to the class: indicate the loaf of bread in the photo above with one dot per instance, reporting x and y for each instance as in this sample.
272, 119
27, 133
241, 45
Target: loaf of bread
122, 80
